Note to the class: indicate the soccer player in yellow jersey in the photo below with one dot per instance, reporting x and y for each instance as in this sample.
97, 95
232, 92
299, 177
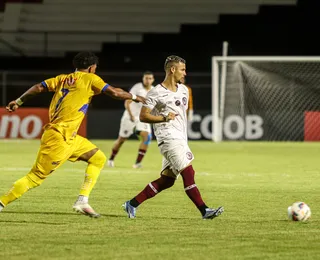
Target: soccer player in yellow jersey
60, 142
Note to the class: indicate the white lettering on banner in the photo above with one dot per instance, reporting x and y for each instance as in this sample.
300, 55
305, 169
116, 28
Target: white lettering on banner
204, 127
234, 127
192, 134
4, 126
37, 126
239, 125
20, 127
254, 128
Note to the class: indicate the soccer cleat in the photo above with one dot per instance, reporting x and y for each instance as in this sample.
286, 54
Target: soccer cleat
111, 163
137, 166
131, 211
1, 206
85, 209
213, 213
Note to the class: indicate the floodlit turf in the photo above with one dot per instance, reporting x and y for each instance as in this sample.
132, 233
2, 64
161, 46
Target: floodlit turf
255, 182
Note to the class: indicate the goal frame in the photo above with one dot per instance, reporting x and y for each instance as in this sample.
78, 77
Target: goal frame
218, 84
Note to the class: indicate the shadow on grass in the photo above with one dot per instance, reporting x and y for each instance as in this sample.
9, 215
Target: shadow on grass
58, 213
32, 222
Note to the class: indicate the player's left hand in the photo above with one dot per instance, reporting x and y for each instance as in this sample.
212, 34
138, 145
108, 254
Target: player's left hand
12, 106
140, 99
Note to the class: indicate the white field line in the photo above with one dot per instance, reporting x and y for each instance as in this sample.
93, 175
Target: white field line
114, 170
142, 171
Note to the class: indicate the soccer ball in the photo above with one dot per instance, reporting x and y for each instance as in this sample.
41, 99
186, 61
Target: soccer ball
299, 211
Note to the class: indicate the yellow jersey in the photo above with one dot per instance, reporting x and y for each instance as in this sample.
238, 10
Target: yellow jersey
73, 93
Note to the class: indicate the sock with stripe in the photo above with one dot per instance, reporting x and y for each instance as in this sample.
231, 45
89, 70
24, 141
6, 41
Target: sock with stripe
141, 154
191, 189
152, 189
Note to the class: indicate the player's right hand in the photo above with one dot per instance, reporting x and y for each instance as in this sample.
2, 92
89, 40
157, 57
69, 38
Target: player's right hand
12, 106
170, 116
133, 119
140, 99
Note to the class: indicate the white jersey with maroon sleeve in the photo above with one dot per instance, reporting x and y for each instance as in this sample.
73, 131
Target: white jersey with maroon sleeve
161, 101
135, 107
127, 126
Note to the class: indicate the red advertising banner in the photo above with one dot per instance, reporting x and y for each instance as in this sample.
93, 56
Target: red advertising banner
312, 126
27, 123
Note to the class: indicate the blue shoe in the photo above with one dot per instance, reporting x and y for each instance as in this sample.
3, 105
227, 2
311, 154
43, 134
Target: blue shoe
131, 211
213, 213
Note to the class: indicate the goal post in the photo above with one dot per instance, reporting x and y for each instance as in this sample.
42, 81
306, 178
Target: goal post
271, 98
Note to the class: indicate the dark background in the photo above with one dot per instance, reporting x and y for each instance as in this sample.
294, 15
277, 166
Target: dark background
276, 30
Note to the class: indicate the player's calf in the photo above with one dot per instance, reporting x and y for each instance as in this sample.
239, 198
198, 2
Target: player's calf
151, 190
146, 140
21, 186
115, 149
95, 165
194, 194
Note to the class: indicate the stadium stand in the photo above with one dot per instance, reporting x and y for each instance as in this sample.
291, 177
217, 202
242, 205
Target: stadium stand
77, 25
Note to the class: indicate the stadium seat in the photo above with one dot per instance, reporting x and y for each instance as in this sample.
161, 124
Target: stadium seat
100, 21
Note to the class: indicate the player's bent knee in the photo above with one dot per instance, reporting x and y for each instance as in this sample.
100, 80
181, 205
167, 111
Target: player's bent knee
169, 181
169, 173
98, 159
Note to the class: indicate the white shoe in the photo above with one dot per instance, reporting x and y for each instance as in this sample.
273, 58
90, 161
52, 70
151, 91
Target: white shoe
111, 163
137, 166
85, 209
1, 206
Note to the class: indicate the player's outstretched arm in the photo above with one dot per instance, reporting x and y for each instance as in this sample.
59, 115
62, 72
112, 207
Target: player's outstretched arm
118, 93
147, 117
31, 92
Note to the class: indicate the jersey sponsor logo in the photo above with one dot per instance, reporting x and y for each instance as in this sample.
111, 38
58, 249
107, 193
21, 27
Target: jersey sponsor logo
178, 103
184, 100
189, 155
55, 163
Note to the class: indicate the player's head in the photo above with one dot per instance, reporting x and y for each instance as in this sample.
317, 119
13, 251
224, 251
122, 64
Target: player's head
147, 78
175, 66
86, 60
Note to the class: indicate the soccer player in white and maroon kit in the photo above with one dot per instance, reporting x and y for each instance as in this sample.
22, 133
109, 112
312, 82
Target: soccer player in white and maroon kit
166, 106
130, 122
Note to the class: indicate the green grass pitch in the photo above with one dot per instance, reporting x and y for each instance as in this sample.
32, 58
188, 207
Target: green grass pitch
255, 182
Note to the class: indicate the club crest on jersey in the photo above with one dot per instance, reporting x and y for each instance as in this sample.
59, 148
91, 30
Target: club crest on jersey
184, 100
189, 155
178, 103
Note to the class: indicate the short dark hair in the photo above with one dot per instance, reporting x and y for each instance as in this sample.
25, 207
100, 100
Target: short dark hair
84, 60
148, 72
170, 60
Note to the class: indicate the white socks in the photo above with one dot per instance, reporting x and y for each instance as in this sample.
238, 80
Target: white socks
83, 199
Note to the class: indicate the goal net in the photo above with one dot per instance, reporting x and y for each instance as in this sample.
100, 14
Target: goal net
266, 98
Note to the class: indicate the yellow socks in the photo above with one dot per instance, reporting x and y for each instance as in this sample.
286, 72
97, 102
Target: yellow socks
20, 187
95, 165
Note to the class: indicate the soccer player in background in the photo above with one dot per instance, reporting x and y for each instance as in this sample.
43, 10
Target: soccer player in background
165, 108
130, 122
190, 101
60, 142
